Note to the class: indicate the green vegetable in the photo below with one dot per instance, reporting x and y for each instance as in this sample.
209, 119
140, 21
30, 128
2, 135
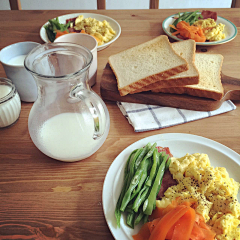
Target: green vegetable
190, 17
142, 154
143, 175
125, 185
52, 26
139, 218
153, 169
130, 219
134, 182
151, 200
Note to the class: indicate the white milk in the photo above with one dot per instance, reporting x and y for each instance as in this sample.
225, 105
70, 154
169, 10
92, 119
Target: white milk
68, 136
9, 109
4, 90
17, 61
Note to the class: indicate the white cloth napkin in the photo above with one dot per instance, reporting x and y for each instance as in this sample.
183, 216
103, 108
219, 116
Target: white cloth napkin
151, 117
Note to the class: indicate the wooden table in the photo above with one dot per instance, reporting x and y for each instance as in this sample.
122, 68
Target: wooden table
54, 198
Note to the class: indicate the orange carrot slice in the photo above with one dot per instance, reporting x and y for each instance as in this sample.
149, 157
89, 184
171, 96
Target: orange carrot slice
165, 224
184, 226
143, 234
59, 33
191, 32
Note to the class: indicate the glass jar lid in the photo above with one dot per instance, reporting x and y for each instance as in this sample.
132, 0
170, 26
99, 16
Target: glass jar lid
9, 94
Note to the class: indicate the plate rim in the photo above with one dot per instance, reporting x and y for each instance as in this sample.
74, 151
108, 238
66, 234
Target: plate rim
202, 43
167, 136
95, 14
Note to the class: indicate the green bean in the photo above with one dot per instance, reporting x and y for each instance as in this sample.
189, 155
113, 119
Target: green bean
149, 202
134, 182
141, 155
145, 218
139, 218
132, 166
130, 219
149, 153
190, 15
142, 196
118, 205
127, 167
128, 174
168, 163
164, 159
142, 180
153, 169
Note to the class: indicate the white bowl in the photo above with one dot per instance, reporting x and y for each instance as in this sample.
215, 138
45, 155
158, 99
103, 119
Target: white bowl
62, 19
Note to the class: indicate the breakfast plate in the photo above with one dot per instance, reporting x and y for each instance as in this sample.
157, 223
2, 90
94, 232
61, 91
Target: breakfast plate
230, 31
179, 144
62, 19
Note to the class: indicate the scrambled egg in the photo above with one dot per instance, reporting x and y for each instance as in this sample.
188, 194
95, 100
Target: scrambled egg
213, 190
102, 31
211, 30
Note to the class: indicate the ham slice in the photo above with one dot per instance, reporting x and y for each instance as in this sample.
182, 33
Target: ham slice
167, 182
209, 14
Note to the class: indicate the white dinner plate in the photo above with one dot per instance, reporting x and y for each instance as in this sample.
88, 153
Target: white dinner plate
179, 144
230, 30
62, 19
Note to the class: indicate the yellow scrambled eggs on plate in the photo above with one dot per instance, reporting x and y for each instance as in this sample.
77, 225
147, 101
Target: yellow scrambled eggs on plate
211, 30
102, 31
213, 190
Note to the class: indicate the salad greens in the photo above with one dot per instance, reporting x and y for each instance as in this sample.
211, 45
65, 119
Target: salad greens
143, 176
52, 26
190, 17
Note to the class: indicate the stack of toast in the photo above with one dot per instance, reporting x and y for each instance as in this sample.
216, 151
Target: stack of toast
159, 66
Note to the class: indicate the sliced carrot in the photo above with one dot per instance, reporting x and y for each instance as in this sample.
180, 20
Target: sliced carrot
192, 32
153, 224
165, 224
201, 231
59, 33
184, 226
170, 232
143, 234
97, 39
160, 212
172, 26
177, 222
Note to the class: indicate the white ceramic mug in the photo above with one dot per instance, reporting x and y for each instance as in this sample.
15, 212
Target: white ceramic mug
87, 41
15, 70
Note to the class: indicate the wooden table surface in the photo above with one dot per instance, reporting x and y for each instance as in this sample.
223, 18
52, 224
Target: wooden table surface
40, 196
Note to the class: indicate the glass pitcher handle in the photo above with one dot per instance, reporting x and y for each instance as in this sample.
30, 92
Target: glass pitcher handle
96, 108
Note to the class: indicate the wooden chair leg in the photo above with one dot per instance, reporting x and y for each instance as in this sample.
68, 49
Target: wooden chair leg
235, 4
101, 4
154, 4
15, 4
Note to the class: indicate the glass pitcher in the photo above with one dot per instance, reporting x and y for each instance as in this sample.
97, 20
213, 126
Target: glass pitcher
68, 121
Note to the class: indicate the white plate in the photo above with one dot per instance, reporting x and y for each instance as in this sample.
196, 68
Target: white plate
179, 145
230, 30
62, 19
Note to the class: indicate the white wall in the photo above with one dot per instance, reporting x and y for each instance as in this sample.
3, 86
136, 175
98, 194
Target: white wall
4, 5
58, 4
195, 4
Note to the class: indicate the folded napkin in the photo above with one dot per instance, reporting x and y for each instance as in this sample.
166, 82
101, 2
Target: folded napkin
151, 117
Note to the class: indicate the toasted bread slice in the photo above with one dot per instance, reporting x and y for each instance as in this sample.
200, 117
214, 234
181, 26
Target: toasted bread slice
146, 63
185, 49
209, 86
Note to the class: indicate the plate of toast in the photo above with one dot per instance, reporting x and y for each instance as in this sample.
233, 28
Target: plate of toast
158, 72
230, 31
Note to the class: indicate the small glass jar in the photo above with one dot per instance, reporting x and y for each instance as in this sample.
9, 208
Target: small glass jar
10, 103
